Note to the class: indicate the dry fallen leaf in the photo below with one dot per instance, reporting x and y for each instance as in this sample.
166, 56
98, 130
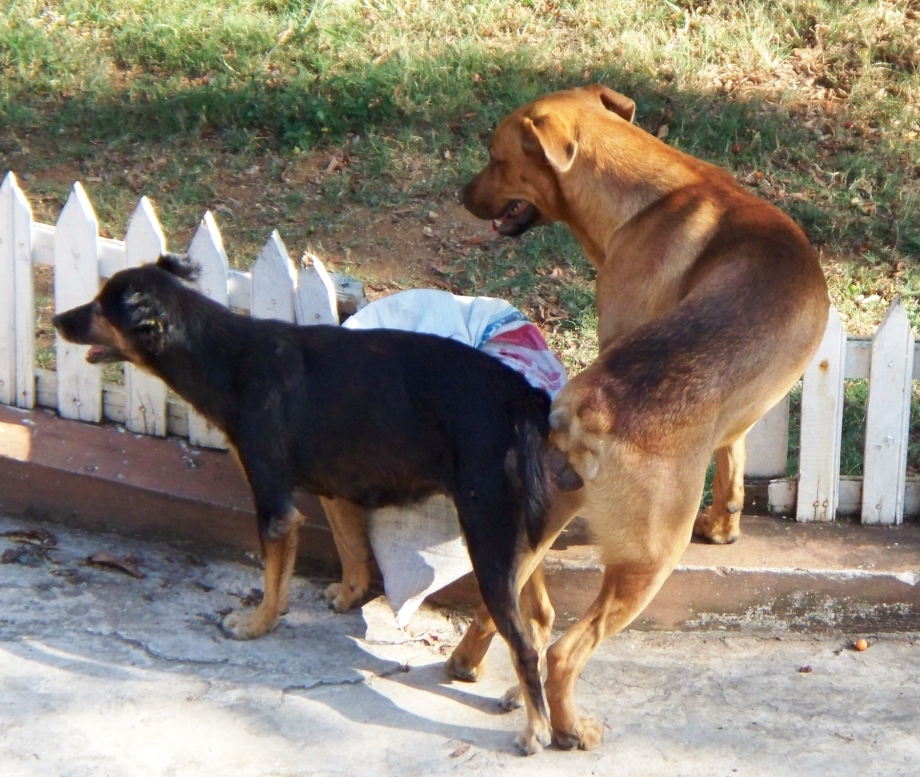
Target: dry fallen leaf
106, 560
460, 750
41, 537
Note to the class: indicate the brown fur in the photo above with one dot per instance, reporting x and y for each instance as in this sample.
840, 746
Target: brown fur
710, 305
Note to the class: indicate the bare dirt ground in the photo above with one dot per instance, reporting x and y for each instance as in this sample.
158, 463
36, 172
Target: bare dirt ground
106, 673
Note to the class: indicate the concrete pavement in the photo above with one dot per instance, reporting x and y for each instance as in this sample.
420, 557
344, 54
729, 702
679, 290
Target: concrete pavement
105, 674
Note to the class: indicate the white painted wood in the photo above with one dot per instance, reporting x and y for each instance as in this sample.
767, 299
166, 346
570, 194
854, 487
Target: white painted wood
315, 301
859, 351
274, 282
767, 443
349, 291
145, 408
17, 298
822, 418
781, 496
850, 502
8, 329
349, 294
111, 252
113, 402
207, 250
887, 418
76, 282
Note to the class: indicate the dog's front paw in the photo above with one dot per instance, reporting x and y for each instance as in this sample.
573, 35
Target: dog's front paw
458, 669
248, 625
587, 734
341, 597
531, 742
512, 699
720, 528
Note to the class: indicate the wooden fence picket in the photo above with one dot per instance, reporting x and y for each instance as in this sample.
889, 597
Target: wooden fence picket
316, 302
274, 282
888, 418
207, 250
76, 282
17, 298
822, 418
145, 395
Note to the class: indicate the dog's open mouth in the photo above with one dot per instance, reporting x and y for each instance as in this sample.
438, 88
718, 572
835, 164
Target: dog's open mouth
517, 218
99, 354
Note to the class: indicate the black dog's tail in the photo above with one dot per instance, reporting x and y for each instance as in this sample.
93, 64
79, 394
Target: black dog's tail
532, 429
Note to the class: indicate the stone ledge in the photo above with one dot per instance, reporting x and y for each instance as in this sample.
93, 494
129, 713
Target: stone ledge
780, 575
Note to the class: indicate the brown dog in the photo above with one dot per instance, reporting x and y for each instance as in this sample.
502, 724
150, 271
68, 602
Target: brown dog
710, 302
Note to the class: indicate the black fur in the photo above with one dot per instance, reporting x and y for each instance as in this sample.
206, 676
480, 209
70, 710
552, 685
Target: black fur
378, 417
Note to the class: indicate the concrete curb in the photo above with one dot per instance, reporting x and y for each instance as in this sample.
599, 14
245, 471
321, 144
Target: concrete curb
780, 575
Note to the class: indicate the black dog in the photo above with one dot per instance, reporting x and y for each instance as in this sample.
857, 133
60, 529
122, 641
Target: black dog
376, 417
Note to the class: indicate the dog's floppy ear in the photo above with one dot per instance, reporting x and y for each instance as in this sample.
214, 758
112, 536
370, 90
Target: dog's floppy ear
615, 102
148, 323
548, 137
179, 265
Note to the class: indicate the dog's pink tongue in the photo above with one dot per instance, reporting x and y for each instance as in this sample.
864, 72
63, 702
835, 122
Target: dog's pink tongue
94, 354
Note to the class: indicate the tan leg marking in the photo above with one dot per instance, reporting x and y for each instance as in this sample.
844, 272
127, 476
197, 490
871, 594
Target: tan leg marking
278, 556
539, 615
348, 522
721, 521
467, 662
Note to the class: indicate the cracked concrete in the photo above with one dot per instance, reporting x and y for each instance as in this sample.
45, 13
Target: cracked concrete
104, 674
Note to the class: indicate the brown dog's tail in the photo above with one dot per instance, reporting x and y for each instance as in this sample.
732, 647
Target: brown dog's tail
532, 429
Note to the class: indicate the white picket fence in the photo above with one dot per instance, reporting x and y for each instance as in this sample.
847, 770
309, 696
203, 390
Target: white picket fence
275, 288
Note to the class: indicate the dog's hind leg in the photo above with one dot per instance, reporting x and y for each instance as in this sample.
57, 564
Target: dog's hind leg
721, 521
467, 662
642, 532
278, 556
539, 615
625, 592
348, 522
494, 534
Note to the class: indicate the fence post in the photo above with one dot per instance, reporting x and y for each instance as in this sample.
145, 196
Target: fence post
316, 302
274, 280
145, 395
207, 250
888, 418
822, 418
76, 282
17, 298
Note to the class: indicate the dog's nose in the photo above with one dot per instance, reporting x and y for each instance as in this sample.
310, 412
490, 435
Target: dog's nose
56, 321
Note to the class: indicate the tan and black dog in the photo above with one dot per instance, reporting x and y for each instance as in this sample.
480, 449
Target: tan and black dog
711, 302
364, 419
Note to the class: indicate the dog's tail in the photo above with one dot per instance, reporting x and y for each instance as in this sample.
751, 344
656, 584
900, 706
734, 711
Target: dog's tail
532, 429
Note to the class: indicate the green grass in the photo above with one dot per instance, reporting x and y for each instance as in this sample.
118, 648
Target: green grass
818, 97
814, 104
